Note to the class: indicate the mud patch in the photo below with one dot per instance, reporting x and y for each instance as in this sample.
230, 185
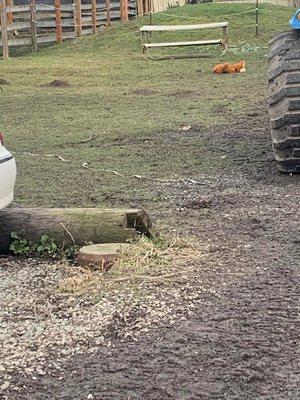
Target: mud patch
57, 84
184, 94
196, 203
3, 82
143, 92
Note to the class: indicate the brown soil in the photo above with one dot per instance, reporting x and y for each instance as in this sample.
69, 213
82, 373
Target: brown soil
57, 83
228, 330
183, 94
144, 92
3, 82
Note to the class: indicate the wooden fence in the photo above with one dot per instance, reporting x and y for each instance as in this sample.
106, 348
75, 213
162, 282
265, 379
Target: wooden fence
35, 23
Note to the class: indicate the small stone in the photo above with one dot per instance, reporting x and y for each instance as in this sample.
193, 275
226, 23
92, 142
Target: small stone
5, 385
40, 371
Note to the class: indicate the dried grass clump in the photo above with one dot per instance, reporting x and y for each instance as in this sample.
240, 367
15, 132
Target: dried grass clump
155, 259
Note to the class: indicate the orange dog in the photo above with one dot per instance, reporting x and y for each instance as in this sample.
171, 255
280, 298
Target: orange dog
227, 68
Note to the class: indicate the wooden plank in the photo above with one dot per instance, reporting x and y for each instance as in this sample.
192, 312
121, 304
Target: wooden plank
18, 26
65, 23
18, 42
192, 43
46, 39
69, 35
172, 28
87, 31
19, 9
86, 20
64, 8
57, 4
94, 16
4, 32
87, 6
33, 26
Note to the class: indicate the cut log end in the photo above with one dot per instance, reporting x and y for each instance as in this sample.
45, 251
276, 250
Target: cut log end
101, 255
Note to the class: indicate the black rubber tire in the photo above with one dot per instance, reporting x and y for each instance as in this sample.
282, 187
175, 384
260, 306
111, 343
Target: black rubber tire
284, 99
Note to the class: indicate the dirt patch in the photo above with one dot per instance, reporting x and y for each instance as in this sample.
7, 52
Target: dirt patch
57, 84
184, 94
143, 92
3, 82
196, 203
225, 325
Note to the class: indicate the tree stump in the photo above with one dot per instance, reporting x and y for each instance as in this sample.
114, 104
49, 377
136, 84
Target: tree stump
101, 255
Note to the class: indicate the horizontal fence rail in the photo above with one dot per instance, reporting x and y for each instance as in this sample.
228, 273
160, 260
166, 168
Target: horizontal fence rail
288, 3
34, 22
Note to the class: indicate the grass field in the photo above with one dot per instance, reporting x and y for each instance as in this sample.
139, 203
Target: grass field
134, 109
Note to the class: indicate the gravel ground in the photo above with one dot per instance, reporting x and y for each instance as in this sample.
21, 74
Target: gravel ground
225, 330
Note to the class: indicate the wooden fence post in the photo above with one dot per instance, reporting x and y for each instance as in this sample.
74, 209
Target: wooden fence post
121, 11
33, 26
107, 12
94, 16
57, 4
146, 6
125, 10
5, 50
140, 12
77, 19
10, 18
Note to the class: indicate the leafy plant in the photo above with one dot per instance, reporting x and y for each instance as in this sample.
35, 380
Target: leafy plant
45, 246
19, 245
70, 252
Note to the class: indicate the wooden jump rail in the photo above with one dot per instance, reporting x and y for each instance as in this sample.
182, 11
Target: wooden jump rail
146, 30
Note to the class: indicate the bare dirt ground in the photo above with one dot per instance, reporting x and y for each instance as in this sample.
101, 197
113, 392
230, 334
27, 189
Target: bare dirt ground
225, 330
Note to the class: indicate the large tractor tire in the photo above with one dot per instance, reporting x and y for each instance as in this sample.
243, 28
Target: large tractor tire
284, 99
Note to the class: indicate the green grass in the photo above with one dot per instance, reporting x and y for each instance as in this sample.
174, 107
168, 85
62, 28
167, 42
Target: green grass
135, 133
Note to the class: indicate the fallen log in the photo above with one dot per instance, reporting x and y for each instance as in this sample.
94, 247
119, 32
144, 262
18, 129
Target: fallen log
73, 225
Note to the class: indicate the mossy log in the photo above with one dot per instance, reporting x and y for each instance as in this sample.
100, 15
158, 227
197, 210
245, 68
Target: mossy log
66, 225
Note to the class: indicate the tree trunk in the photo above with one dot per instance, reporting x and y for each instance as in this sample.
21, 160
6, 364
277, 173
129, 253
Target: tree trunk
79, 224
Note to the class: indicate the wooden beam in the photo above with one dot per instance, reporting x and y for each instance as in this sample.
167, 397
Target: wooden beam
10, 18
57, 4
94, 16
3, 18
225, 38
191, 43
173, 28
140, 11
33, 31
107, 2
77, 18
125, 5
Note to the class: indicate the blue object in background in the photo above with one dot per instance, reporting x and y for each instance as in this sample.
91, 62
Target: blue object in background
295, 21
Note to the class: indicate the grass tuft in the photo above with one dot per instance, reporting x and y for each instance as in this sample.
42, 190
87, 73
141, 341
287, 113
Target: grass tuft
146, 260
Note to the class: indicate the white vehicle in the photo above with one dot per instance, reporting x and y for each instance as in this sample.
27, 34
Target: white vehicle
8, 173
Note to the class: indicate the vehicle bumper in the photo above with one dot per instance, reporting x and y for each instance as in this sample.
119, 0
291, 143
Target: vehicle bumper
8, 174
5, 201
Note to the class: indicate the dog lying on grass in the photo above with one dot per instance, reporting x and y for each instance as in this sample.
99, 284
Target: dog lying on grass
227, 68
